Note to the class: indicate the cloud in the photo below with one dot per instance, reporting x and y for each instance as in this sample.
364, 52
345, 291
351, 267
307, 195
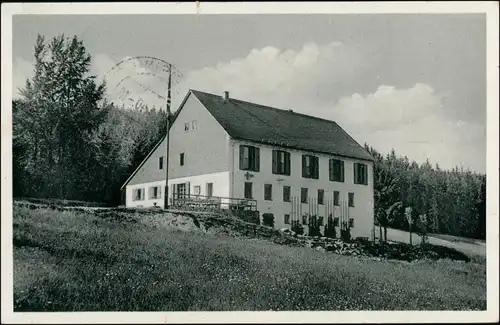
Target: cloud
271, 75
414, 121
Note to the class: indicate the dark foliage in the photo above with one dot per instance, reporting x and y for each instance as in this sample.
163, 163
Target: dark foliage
454, 201
297, 227
330, 229
314, 225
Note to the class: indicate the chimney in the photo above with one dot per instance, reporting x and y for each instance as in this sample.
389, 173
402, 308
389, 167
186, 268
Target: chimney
226, 96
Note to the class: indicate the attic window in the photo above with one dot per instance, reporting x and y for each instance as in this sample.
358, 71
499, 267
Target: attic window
186, 126
193, 125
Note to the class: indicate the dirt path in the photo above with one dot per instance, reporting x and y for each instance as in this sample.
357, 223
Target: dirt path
476, 248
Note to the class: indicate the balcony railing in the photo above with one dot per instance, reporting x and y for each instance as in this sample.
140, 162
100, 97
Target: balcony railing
202, 202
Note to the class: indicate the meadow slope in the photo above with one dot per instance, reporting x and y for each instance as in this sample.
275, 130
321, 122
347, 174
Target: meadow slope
83, 261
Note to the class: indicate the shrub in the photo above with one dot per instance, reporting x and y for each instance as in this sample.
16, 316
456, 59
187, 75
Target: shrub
314, 226
330, 230
345, 231
297, 227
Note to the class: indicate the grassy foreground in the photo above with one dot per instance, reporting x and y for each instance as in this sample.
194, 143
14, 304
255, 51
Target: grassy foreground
77, 261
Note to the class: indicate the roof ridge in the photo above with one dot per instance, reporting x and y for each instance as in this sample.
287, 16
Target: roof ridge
289, 111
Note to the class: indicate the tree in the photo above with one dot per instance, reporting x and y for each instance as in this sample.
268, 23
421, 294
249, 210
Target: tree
409, 219
59, 109
422, 227
385, 192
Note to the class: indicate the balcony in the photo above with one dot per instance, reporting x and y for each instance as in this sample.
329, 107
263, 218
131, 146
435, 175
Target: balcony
211, 203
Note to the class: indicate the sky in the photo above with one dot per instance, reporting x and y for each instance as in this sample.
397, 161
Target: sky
412, 82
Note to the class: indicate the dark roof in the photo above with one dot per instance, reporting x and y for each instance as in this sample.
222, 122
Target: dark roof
249, 121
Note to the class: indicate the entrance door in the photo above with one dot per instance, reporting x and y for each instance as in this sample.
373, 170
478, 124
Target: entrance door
181, 190
268, 219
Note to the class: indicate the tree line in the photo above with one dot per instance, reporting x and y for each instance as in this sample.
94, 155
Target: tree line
70, 143
450, 201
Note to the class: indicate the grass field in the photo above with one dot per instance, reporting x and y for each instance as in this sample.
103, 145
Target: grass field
78, 261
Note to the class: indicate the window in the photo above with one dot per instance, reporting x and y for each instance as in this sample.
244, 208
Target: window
249, 158
268, 192
351, 199
186, 126
181, 159
321, 196
351, 222
287, 219
281, 162
193, 125
360, 174
210, 189
154, 192
304, 220
197, 190
310, 166
160, 162
286, 193
138, 194
320, 221
336, 198
303, 195
248, 190
336, 170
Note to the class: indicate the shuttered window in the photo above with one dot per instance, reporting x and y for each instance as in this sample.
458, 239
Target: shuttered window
249, 158
310, 166
281, 162
155, 192
360, 173
160, 162
336, 169
138, 194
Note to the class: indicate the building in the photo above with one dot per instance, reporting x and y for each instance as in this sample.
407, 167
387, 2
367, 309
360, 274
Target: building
290, 163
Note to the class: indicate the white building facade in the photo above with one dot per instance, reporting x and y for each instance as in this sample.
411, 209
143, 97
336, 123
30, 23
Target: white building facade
208, 157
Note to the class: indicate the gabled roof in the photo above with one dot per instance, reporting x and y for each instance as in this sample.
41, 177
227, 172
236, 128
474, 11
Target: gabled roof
258, 123
172, 119
268, 125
